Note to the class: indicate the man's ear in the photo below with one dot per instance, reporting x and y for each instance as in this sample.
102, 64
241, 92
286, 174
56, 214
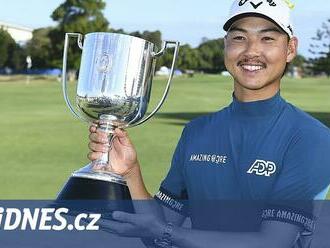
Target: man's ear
292, 49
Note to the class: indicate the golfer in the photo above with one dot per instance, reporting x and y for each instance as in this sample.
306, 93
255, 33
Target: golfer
259, 147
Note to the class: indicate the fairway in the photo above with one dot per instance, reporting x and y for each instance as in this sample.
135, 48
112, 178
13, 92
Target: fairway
42, 144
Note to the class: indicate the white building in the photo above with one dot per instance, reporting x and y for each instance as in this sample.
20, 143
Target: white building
19, 33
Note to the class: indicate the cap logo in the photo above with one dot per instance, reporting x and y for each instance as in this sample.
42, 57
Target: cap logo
242, 2
256, 5
290, 28
270, 2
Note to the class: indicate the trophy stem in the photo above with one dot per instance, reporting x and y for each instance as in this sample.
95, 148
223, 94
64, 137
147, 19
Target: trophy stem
101, 165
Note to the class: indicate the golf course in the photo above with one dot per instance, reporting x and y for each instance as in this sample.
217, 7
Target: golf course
42, 143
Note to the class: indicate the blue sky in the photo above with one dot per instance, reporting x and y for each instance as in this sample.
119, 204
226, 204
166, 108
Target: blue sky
185, 20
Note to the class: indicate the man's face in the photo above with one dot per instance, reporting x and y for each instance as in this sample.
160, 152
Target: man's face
256, 53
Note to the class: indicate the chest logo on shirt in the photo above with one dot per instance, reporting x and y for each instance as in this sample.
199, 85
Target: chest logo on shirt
262, 168
211, 158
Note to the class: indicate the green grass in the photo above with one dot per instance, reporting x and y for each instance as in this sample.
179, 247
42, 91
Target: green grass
42, 144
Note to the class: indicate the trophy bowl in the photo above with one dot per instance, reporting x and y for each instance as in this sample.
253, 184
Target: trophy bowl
114, 85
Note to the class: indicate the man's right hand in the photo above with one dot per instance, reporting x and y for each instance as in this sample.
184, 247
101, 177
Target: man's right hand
122, 154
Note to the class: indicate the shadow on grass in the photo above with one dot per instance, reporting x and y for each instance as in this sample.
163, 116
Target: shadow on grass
177, 118
322, 117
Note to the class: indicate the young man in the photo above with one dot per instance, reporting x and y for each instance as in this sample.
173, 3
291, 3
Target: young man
258, 148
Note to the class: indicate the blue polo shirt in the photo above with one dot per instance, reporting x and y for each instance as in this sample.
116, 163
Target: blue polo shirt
263, 150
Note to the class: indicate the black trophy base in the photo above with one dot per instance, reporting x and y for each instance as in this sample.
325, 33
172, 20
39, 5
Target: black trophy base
108, 195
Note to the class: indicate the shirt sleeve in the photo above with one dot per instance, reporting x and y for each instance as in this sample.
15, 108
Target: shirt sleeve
305, 173
172, 192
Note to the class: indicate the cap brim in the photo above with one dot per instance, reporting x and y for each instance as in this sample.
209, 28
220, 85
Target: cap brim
233, 19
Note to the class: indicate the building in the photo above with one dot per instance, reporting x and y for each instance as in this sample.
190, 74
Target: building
19, 33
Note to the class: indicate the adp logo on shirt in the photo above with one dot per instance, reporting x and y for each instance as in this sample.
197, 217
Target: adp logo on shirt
262, 168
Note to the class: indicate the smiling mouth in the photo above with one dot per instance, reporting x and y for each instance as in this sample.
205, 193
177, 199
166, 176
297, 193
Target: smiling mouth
252, 68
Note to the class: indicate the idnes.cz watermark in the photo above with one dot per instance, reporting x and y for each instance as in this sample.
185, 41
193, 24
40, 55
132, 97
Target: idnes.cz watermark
46, 219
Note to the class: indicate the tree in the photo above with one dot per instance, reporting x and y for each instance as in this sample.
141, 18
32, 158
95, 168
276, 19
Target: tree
80, 16
166, 59
299, 62
16, 57
39, 48
11, 54
320, 49
188, 58
212, 56
208, 57
152, 36
5, 41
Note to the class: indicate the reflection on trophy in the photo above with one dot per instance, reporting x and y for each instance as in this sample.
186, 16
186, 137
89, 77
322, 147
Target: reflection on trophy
114, 87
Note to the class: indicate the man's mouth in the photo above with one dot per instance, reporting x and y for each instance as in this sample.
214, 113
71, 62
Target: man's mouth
252, 67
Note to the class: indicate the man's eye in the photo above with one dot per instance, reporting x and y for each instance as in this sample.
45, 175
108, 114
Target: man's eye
267, 38
239, 38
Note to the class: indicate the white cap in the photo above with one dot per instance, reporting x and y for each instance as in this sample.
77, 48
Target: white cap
277, 11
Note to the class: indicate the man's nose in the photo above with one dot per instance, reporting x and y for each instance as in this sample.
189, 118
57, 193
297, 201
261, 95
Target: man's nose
253, 48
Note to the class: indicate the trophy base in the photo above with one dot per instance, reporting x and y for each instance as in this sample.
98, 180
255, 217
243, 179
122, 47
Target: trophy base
79, 188
95, 192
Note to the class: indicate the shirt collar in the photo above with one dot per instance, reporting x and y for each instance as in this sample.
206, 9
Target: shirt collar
257, 108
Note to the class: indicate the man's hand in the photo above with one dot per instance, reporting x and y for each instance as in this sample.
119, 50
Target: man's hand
122, 154
133, 225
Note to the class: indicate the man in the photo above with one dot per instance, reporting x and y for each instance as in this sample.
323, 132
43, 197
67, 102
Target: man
258, 148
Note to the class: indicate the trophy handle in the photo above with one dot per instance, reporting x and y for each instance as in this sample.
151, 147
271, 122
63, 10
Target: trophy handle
169, 82
64, 76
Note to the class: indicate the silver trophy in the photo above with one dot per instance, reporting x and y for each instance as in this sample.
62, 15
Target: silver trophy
114, 87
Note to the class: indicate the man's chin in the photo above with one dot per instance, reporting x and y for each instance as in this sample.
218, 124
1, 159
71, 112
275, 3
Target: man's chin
252, 86
257, 86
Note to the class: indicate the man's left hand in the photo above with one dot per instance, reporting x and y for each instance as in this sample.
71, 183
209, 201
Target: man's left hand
133, 225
